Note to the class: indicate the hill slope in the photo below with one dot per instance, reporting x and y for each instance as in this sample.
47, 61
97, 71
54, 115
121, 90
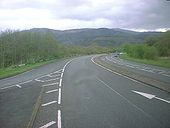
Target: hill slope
101, 36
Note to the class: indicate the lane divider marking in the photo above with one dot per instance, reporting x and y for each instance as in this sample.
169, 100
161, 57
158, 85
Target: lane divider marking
51, 91
52, 102
48, 124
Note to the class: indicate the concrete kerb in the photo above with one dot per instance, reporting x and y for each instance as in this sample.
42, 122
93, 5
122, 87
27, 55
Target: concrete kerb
35, 109
143, 79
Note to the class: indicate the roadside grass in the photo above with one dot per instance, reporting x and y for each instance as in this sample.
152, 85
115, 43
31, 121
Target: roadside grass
14, 70
161, 61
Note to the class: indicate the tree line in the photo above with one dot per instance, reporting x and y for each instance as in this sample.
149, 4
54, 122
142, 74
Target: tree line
152, 48
24, 47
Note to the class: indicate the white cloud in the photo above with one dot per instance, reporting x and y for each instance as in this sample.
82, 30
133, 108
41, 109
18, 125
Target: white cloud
66, 14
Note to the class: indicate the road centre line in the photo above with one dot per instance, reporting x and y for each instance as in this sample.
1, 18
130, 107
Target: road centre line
128, 101
48, 124
50, 84
52, 102
59, 96
51, 91
59, 118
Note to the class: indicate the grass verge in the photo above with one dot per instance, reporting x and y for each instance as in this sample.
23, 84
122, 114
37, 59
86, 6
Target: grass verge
14, 70
162, 62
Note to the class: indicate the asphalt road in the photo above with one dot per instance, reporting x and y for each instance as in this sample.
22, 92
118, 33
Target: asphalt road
79, 93
155, 72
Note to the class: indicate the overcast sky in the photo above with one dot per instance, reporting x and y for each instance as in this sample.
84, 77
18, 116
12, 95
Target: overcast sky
70, 14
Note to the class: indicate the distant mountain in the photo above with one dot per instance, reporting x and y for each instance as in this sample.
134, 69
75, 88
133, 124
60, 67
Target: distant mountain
101, 36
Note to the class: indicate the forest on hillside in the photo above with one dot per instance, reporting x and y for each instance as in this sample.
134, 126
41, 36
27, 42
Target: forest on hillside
151, 49
25, 47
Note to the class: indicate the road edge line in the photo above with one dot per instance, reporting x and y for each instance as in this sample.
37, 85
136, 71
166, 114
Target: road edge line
164, 88
35, 109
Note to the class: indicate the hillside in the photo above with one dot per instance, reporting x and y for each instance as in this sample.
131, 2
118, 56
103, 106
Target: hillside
101, 36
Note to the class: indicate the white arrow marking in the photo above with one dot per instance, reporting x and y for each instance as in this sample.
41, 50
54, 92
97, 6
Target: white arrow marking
150, 96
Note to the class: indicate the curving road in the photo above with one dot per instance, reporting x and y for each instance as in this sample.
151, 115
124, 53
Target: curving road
79, 93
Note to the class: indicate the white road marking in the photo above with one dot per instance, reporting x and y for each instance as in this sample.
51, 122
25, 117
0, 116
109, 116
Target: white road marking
59, 96
62, 75
51, 75
113, 71
128, 101
50, 84
52, 102
150, 96
59, 71
16, 85
25, 82
60, 82
59, 118
51, 91
48, 124
51, 79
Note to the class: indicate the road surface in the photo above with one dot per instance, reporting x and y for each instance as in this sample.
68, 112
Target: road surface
79, 93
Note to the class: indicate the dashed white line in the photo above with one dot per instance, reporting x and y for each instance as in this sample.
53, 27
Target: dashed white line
50, 84
51, 91
48, 124
52, 102
59, 118
59, 96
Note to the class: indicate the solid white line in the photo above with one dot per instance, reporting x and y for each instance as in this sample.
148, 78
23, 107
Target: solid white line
59, 118
59, 96
16, 85
50, 84
128, 101
25, 82
51, 80
113, 71
51, 91
48, 124
59, 71
51, 75
52, 102
162, 99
